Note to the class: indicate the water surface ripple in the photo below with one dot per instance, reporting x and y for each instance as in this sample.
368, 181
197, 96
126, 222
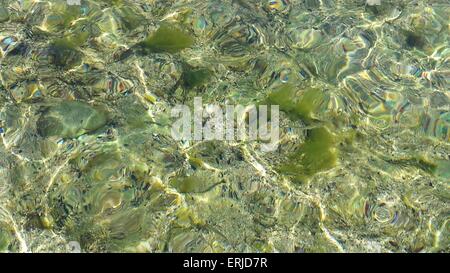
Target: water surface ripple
87, 157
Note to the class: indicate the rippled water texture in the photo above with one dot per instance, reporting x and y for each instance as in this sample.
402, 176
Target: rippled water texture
86, 154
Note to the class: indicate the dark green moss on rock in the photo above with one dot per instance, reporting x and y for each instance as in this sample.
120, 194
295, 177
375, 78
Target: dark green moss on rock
193, 77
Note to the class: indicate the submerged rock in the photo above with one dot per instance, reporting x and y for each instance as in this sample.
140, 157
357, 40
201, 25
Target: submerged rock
63, 54
414, 40
70, 119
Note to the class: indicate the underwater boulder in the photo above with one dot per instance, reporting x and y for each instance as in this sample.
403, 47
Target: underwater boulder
63, 54
70, 119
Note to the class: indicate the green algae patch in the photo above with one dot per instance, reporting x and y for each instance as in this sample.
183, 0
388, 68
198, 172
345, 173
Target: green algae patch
419, 162
198, 183
113, 2
443, 169
304, 106
193, 77
426, 165
185, 217
317, 154
187, 184
130, 19
4, 14
35, 221
77, 39
196, 163
310, 103
283, 97
169, 39
5, 240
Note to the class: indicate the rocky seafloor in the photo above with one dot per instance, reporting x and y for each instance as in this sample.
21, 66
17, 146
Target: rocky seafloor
87, 158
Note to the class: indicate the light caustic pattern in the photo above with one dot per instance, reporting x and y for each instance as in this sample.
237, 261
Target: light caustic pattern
88, 163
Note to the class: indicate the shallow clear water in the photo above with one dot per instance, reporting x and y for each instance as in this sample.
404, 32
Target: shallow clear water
87, 157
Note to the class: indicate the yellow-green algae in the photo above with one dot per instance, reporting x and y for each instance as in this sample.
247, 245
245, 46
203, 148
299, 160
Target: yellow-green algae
201, 182
193, 77
4, 14
168, 38
297, 104
318, 153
